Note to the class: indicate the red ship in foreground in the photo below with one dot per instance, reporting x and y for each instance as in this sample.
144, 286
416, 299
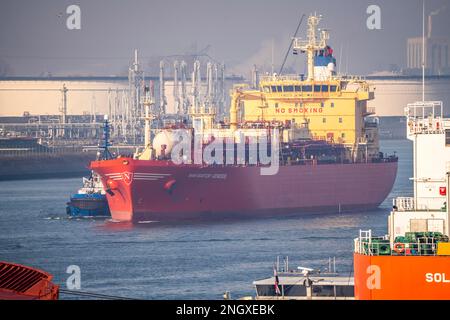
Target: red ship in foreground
18, 282
326, 159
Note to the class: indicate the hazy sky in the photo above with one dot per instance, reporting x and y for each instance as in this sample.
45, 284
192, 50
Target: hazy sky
34, 39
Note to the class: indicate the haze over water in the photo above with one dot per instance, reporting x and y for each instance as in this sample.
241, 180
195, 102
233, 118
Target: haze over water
193, 261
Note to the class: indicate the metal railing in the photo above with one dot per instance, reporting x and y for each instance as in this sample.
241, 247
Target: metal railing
412, 244
428, 125
409, 204
297, 43
426, 117
286, 77
297, 77
350, 77
381, 247
404, 203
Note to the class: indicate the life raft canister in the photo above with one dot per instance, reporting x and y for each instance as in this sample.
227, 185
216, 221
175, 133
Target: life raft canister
399, 247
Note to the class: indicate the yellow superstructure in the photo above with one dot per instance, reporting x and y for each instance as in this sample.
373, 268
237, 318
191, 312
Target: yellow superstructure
334, 109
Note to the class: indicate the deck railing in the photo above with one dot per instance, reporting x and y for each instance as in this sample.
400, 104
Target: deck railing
287, 77
404, 203
380, 246
297, 77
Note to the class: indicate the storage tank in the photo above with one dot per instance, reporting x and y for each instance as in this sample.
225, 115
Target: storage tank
164, 141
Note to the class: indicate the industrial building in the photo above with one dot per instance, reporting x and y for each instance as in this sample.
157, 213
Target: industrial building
435, 54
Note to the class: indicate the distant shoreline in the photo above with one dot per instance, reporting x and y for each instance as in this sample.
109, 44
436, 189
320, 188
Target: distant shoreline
64, 167
46, 176
44, 166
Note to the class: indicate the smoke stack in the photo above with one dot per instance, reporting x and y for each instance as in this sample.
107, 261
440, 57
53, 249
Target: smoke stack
255, 77
430, 19
430, 25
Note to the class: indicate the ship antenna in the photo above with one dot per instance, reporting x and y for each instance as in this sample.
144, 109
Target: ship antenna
148, 102
423, 50
313, 44
106, 155
272, 59
290, 45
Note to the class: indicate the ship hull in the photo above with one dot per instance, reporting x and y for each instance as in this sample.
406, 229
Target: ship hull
401, 277
88, 205
19, 282
161, 191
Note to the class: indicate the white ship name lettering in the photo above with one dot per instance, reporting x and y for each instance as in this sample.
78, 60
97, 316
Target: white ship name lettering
436, 277
208, 175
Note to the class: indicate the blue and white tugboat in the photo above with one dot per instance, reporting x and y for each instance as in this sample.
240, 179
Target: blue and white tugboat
90, 200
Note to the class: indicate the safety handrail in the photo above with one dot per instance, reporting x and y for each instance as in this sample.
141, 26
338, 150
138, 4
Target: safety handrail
371, 247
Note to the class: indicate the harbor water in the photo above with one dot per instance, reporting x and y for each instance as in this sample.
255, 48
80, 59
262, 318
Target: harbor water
176, 261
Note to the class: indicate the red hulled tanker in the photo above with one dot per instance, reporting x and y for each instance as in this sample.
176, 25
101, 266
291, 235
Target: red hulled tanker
161, 190
329, 157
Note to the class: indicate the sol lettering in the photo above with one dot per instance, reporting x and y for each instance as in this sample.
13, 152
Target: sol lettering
436, 277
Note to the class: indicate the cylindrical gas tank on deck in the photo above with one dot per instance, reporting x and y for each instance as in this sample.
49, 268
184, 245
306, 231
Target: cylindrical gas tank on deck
164, 142
331, 67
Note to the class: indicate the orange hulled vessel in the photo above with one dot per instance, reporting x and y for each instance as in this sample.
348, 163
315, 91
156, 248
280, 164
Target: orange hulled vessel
19, 282
412, 262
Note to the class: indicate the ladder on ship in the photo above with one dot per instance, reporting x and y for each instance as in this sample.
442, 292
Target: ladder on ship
365, 236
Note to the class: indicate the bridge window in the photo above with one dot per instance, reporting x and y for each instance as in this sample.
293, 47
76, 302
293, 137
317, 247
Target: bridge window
274, 89
344, 291
323, 291
324, 88
333, 88
279, 88
306, 88
316, 88
288, 88
447, 137
297, 88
